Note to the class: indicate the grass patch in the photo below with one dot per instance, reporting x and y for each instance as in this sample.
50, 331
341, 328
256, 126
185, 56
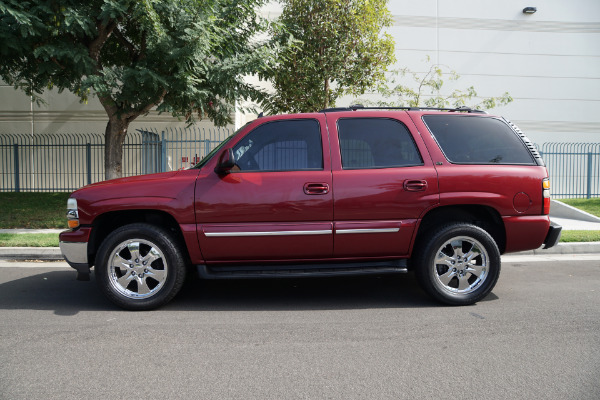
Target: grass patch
33, 210
28, 239
591, 206
580, 236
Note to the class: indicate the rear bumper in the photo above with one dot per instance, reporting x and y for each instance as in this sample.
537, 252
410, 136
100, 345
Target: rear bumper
553, 235
526, 232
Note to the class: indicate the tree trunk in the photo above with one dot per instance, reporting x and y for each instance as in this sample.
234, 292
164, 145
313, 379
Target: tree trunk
114, 136
326, 90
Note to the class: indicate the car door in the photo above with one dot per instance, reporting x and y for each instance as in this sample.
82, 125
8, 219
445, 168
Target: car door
384, 181
276, 203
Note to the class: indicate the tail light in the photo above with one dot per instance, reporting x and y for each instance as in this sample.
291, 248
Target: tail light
546, 196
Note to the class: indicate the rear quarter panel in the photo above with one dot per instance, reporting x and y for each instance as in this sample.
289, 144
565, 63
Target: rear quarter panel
514, 191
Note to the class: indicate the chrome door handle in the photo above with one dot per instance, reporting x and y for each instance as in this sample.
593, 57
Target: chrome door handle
316, 188
415, 185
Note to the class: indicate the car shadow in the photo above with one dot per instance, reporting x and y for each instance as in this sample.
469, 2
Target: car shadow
60, 292
57, 291
331, 293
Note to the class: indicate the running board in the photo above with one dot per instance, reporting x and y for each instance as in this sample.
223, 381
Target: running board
301, 270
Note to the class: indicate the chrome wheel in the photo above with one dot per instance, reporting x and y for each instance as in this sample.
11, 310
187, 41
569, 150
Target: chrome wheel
460, 266
137, 269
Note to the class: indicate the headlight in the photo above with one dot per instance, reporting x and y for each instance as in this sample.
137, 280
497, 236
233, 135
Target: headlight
72, 213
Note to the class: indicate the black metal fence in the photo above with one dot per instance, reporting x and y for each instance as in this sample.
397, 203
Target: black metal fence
574, 169
66, 162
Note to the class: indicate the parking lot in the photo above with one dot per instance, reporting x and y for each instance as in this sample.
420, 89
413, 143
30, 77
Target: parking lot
537, 336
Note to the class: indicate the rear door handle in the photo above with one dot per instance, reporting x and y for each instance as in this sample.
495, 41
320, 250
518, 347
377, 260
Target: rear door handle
415, 185
316, 188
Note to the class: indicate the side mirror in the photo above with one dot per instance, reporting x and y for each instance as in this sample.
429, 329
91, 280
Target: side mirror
226, 162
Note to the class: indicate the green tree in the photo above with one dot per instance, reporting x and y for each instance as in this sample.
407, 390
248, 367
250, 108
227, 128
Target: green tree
426, 91
185, 57
339, 49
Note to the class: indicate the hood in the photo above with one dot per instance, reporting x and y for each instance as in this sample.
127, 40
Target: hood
165, 191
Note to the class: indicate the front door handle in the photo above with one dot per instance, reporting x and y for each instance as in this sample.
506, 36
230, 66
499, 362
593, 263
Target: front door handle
316, 188
415, 185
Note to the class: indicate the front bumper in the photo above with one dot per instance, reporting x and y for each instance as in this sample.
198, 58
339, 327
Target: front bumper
75, 251
553, 235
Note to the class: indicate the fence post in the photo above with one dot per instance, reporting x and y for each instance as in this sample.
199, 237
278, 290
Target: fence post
589, 175
163, 152
16, 157
88, 151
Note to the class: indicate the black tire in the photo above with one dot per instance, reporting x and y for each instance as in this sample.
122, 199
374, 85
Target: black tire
458, 264
140, 267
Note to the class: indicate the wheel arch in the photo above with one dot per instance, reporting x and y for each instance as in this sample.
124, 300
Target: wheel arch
482, 216
108, 222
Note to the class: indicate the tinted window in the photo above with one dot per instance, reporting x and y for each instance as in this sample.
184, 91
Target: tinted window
376, 143
477, 140
289, 145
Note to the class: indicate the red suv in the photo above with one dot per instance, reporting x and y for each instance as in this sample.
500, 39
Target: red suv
340, 192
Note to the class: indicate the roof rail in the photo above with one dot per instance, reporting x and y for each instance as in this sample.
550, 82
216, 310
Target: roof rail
361, 107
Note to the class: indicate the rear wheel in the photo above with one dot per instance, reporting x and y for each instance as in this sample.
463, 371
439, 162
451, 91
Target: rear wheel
140, 267
458, 264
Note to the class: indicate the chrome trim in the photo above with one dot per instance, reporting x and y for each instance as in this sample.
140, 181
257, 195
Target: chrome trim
458, 269
380, 230
268, 233
144, 262
74, 252
72, 214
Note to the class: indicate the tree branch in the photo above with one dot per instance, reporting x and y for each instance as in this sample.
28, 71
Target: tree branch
123, 40
109, 105
144, 42
130, 116
95, 46
55, 61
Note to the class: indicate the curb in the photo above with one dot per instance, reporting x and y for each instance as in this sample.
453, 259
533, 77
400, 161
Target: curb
31, 253
565, 248
54, 253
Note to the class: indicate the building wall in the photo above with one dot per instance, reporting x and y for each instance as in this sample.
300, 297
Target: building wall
64, 113
549, 62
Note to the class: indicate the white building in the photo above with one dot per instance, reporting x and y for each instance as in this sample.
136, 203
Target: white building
549, 62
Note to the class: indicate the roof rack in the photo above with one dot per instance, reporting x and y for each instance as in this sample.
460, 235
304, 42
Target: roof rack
355, 107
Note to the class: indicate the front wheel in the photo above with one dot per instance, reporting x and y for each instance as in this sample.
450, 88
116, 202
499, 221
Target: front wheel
458, 264
140, 267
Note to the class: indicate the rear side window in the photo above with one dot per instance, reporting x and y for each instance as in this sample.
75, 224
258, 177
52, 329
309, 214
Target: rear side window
376, 143
477, 140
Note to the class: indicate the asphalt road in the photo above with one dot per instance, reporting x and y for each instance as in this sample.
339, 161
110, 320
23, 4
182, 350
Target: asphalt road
537, 336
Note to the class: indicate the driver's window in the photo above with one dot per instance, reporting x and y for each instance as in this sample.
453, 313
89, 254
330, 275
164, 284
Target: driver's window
288, 145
